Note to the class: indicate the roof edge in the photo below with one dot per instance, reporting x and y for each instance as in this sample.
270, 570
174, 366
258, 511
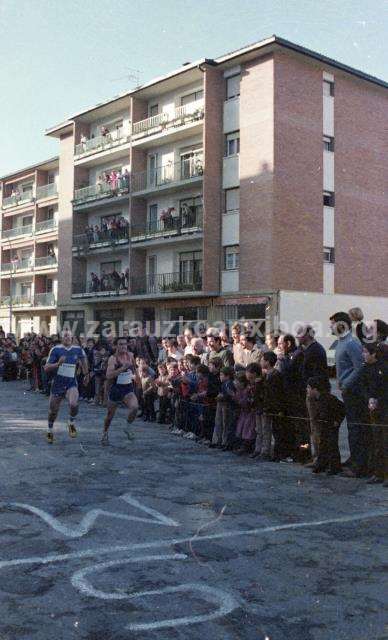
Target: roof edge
29, 168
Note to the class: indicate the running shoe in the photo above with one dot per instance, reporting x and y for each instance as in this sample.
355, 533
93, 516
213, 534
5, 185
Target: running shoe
50, 437
72, 430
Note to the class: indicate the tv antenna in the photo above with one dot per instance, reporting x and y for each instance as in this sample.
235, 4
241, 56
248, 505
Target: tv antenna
133, 76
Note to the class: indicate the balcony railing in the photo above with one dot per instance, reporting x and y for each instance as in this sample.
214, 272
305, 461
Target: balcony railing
169, 226
100, 143
167, 283
45, 225
103, 190
47, 190
163, 121
45, 261
16, 301
91, 290
22, 198
96, 240
18, 231
168, 175
44, 300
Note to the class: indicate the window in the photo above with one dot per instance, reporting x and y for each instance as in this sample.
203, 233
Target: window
328, 199
192, 97
51, 178
108, 267
233, 86
152, 269
328, 143
74, 320
27, 221
49, 285
190, 211
328, 255
50, 214
25, 289
231, 257
153, 217
190, 266
109, 218
117, 127
153, 110
232, 143
27, 189
328, 88
191, 163
232, 200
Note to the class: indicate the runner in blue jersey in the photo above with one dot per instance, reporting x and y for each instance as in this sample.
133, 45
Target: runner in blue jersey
121, 374
62, 362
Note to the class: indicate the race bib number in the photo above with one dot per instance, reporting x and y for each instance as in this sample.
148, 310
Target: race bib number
125, 377
66, 370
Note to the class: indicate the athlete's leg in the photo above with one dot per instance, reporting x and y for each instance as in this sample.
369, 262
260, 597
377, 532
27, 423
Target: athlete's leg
54, 404
112, 406
131, 403
72, 396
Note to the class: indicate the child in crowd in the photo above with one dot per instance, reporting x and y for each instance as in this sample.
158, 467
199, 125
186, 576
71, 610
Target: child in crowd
207, 390
246, 423
273, 405
375, 382
148, 393
162, 383
255, 381
225, 419
188, 389
173, 382
330, 412
100, 363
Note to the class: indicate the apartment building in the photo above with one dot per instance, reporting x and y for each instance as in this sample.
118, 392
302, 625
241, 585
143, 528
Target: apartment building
29, 248
249, 186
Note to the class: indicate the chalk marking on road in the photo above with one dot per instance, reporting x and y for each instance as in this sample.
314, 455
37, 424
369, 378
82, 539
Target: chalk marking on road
90, 553
224, 601
87, 522
79, 581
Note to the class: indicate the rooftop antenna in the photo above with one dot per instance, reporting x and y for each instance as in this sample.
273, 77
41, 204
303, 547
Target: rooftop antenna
133, 76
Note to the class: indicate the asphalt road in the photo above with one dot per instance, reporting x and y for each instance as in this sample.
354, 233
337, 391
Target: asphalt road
159, 538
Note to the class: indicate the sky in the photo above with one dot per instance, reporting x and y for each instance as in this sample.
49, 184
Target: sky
60, 56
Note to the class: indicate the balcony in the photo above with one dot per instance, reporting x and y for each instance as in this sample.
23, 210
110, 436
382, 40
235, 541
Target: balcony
101, 191
44, 300
17, 231
91, 290
46, 261
168, 227
167, 283
102, 240
28, 263
166, 122
45, 225
17, 199
47, 191
39, 300
16, 301
99, 143
168, 177
17, 265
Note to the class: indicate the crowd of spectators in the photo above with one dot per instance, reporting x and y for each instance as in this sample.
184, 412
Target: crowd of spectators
271, 400
112, 281
110, 230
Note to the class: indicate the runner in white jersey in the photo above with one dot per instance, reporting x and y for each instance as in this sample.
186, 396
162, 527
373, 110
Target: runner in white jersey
121, 373
62, 362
